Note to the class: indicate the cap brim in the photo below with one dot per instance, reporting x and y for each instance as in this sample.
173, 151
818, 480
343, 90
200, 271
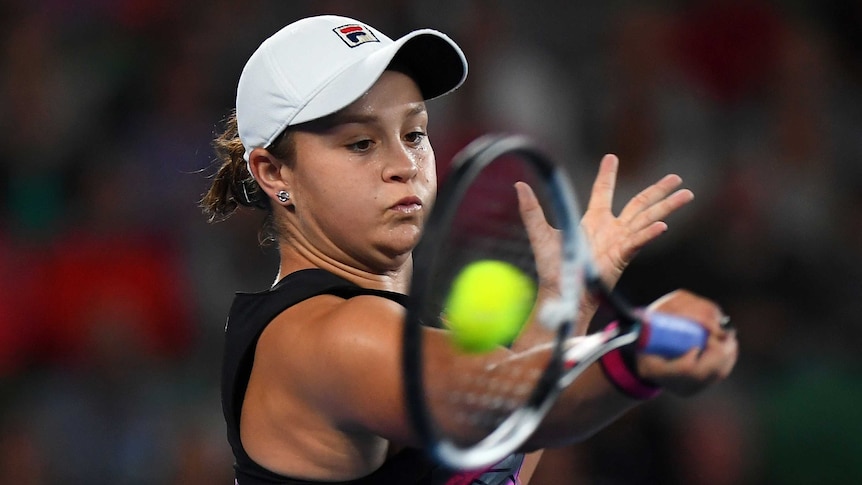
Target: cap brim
434, 61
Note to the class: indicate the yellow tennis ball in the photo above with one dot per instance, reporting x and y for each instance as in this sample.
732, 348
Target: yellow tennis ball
488, 305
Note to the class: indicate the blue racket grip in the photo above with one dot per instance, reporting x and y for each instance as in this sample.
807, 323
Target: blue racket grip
670, 335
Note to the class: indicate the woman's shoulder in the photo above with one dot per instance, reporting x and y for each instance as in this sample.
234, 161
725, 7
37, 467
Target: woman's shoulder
333, 319
332, 346
332, 314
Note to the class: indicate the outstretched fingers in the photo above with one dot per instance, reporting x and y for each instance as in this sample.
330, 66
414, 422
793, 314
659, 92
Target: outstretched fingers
656, 202
616, 240
645, 213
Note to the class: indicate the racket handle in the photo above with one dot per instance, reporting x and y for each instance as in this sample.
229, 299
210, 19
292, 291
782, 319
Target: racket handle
670, 336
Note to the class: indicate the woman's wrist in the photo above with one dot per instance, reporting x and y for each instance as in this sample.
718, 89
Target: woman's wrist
620, 369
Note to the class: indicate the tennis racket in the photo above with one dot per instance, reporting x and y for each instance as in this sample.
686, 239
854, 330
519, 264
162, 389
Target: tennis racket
472, 409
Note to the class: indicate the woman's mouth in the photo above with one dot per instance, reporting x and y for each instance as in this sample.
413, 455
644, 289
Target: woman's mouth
408, 205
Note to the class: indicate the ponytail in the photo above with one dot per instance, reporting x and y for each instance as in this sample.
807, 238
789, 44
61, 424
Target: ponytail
232, 185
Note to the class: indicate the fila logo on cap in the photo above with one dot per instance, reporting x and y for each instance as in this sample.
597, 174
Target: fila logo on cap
355, 34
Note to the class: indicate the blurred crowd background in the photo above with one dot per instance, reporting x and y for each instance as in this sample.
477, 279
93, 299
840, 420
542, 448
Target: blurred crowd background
114, 289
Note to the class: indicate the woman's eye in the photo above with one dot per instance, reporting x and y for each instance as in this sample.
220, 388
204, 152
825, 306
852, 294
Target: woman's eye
416, 137
360, 146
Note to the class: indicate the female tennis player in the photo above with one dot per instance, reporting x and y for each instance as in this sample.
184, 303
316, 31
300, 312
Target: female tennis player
330, 139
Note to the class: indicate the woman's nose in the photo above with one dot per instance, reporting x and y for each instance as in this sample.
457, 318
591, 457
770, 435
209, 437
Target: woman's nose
401, 165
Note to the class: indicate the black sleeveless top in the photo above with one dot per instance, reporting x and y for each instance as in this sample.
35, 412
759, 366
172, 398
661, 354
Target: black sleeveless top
249, 315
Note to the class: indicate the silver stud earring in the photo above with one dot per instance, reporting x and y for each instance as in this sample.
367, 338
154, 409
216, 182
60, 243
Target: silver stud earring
283, 196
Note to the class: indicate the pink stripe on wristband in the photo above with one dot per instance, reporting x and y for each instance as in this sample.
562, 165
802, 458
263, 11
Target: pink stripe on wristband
624, 379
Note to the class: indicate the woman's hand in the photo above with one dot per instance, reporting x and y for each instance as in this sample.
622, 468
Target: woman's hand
616, 240
697, 369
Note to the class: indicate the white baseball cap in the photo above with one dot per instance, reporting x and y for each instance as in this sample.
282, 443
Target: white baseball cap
319, 65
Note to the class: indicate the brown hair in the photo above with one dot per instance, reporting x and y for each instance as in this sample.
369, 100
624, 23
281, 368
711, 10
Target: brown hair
232, 184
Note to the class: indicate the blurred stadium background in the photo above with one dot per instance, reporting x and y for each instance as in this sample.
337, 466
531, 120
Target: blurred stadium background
114, 289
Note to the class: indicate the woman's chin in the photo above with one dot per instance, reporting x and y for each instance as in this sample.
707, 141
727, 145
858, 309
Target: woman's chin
399, 246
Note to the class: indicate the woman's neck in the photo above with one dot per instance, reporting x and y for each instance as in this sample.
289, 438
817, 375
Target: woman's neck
294, 259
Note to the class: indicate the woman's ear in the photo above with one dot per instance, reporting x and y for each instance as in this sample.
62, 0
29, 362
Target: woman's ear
269, 172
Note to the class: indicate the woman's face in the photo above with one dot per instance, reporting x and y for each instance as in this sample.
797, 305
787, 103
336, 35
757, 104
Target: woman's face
365, 178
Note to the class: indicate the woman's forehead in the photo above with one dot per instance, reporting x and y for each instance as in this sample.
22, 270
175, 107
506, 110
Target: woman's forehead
393, 95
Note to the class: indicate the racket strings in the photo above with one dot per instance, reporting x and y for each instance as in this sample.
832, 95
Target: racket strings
487, 225
473, 405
